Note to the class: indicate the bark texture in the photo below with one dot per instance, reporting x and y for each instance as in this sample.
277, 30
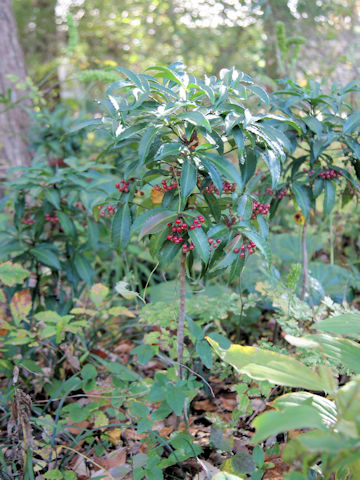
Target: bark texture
13, 121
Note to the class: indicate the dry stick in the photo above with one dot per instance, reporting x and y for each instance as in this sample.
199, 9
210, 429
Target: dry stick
305, 263
181, 321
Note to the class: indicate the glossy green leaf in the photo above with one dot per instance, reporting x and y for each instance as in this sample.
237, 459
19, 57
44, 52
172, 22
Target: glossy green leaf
195, 118
146, 142
303, 197
261, 243
201, 243
352, 123
83, 268
46, 256
156, 222
273, 165
187, 179
67, 224
226, 168
213, 173
120, 227
53, 197
329, 197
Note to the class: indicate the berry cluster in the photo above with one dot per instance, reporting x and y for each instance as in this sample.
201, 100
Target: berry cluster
260, 208
278, 194
197, 222
214, 243
27, 221
51, 219
109, 210
310, 173
329, 174
124, 185
231, 221
227, 187
164, 187
250, 247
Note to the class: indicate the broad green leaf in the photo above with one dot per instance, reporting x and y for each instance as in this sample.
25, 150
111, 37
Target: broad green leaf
273, 164
260, 92
146, 141
165, 72
187, 179
213, 205
274, 367
271, 423
120, 227
342, 350
156, 222
314, 124
329, 197
53, 197
325, 407
12, 273
318, 187
352, 123
303, 197
201, 243
213, 173
230, 255
347, 324
241, 462
83, 268
245, 207
226, 168
261, 243
46, 256
196, 118
238, 135
67, 224
203, 349
169, 150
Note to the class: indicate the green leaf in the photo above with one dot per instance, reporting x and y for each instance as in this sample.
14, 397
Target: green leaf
273, 165
67, 224
271, 423
245, 207
203, 349
175, 398
120, 227
241, 462
329, 197
12, 273
325, 407
169, 150
303, 197
225, 167
238, 135
314, 124
261, 243
213, 173
201, 243
187, 179
156, 222
146, 141
46, 256
53, 197
196, 118
318, 187
83, 268
347, 324
274, 367
213, 205
352, 123
341, 350
230, 256
260, 92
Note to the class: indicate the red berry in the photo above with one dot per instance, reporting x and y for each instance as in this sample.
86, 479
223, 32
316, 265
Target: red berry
236, 250
178, 221
211, 240
242, 254
218, 240
192, 227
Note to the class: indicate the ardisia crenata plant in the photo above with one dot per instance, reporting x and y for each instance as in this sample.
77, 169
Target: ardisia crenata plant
191, 168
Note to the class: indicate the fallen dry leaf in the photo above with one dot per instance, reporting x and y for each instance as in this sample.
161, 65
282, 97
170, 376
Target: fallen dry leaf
113, 459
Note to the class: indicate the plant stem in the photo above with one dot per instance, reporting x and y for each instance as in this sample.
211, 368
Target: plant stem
331, 239
305, 263
181, 321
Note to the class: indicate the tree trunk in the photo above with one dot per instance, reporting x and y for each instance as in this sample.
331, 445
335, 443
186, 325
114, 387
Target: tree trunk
13, 121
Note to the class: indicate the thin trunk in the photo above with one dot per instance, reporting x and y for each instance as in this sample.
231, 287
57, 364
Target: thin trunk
14, 121
305, 263
181, 322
